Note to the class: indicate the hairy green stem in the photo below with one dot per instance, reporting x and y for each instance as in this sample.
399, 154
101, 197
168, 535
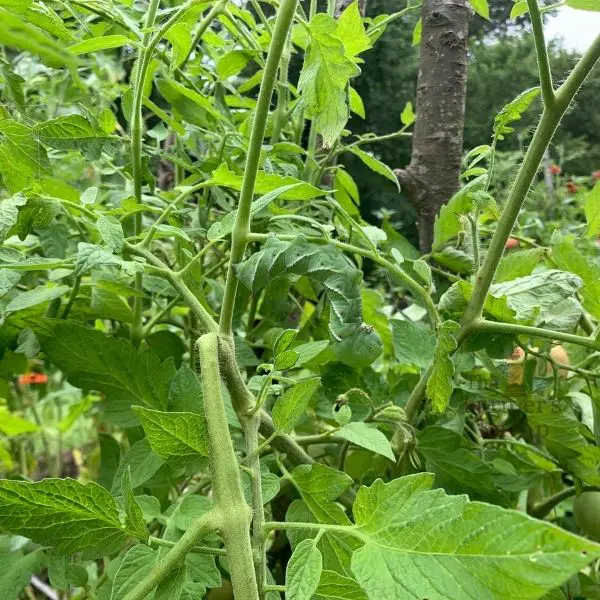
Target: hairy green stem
196, 549
136, 156
241, 227
207, 523
234, 512
544, 507
496, 327
282, 93
542, 53
204, 24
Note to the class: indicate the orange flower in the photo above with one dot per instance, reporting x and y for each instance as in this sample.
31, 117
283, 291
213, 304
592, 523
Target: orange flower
555, 170
32, 378
571, 187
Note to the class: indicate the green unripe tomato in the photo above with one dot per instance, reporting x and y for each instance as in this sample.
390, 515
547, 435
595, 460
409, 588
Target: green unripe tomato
587, 513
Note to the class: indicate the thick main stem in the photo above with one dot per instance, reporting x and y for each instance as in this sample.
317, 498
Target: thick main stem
136, 158
241, 228
235, 514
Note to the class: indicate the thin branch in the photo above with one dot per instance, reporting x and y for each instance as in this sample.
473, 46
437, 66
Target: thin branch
542, 53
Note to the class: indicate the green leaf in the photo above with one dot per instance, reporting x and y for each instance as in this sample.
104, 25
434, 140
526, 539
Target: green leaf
98, 43
449, 221
63, 513
141, 461
134, 522
367, 436
267, 183
284, 341
481, 8
22, 158
35, 296
171, 587
112, 232
73, 132
592, 209
351, 31
224, 227
9, 213
303, 571
319, 486
413, 537
537, 294
334, 586
185, 393
440, 383
232, 63
518, 264
12, 425
357, 105
513, 111
137, 563
417, 32
566, 438
293, 404
519, 8
568, 258
375, 165
181, 38
8, 280
286, 360
18, 33
92, 360
324, 79
174, 434
16, 572
584, 4
90, 256
408, 117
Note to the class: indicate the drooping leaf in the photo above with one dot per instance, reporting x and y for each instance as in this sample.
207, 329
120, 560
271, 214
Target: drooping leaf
414, 537
355, 343
174, 434
62, 513
518, 264
351, 31
481, 7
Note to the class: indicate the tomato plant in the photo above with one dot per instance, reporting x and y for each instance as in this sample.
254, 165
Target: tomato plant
217, 378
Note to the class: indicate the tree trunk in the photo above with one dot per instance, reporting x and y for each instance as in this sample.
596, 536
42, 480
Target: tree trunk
432, 176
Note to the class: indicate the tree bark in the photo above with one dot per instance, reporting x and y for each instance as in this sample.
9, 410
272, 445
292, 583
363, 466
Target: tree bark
432, 176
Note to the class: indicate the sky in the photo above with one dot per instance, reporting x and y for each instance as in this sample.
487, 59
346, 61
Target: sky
577, 28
